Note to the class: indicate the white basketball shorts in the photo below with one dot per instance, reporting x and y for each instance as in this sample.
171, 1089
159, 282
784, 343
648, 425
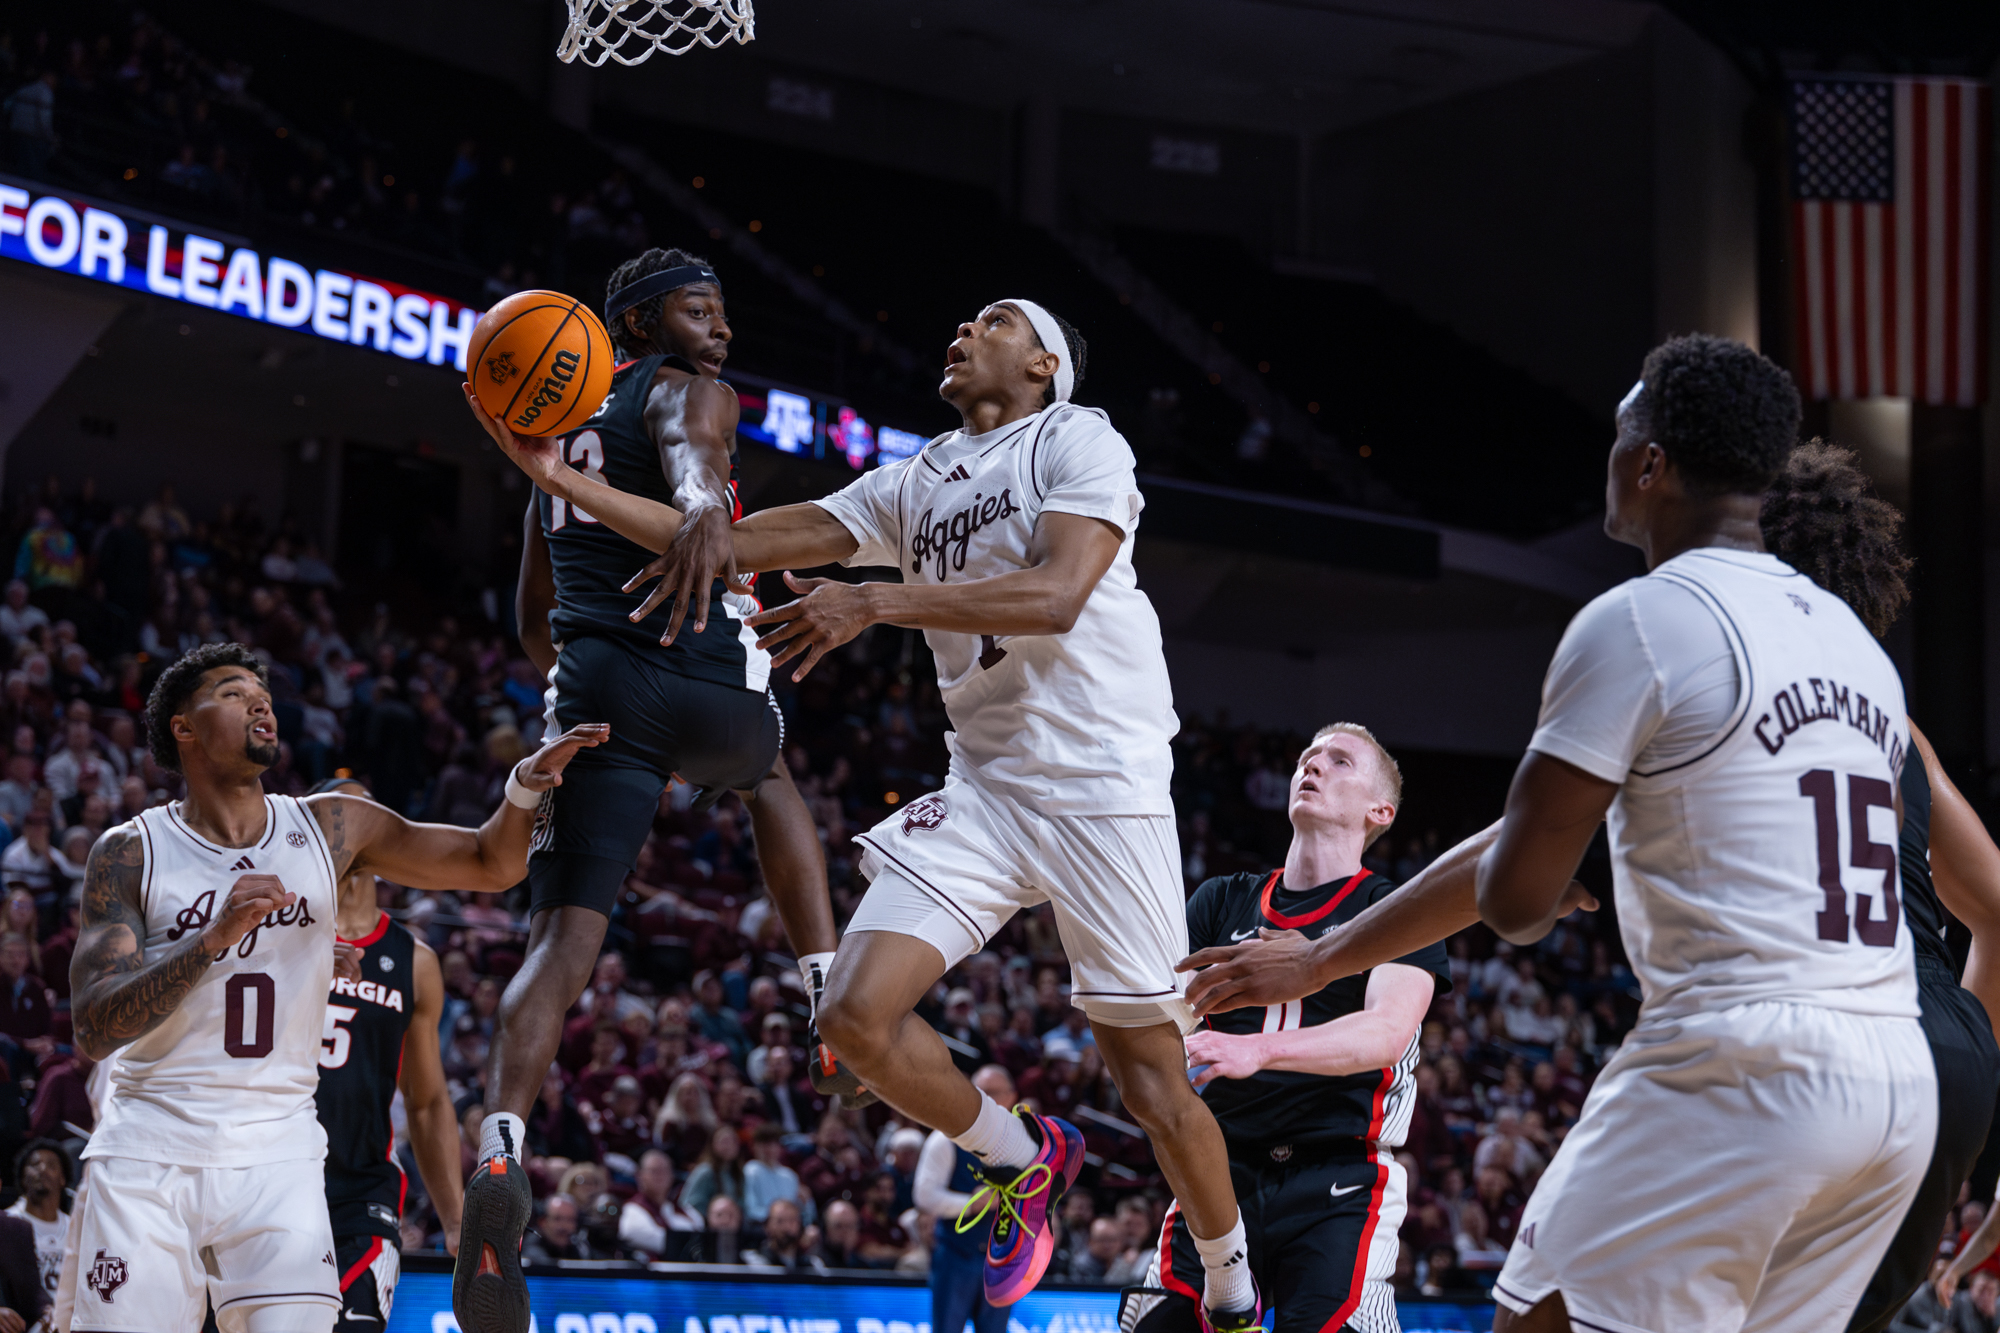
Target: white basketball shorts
951, 868
156, 1242
1743, 1169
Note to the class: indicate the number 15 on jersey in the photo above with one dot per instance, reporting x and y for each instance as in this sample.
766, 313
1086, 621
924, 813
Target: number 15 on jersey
1822, 786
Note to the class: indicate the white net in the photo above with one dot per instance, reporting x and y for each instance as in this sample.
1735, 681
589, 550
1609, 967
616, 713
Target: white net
628, 31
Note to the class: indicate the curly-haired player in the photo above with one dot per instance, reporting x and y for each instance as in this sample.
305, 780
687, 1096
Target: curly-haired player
1823, 518
1748, 1153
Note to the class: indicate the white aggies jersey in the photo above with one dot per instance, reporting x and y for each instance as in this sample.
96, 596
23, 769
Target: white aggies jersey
228, 1078
1068, 724
1758, 862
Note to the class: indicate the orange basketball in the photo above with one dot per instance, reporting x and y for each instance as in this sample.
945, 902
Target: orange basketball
541, 362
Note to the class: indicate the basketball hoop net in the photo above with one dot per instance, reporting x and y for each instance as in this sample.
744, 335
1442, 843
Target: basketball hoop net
628, 31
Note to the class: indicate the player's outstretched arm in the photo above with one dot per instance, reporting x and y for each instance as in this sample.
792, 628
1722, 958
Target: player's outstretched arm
1374, 1038
1553, 810
635, 518
797, 536
364, 836
427, 1099
1284, 965
116, 996
1965, 866
1069, 555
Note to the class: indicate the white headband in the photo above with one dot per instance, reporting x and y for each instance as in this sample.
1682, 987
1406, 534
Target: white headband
1052, 338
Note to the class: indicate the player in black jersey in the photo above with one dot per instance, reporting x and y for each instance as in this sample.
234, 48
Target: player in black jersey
683, 689
1313, 1094
381, 1035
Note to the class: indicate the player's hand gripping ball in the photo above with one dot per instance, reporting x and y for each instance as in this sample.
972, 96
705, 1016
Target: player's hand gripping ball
540, 363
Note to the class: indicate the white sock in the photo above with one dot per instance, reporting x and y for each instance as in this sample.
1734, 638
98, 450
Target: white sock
1226, 1263
815, 967
997, 1136
502, 1134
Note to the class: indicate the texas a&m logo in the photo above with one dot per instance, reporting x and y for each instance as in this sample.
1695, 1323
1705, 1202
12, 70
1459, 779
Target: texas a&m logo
107, 1275
925, 813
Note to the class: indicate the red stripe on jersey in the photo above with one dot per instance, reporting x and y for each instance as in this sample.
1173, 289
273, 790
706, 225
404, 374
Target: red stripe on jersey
402, 1176
1171, 1280
1360, 1277
368, 1256
381, 929
1284, 922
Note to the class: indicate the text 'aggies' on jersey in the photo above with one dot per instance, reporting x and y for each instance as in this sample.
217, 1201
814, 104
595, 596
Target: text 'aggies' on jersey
1075, 723
227, 1078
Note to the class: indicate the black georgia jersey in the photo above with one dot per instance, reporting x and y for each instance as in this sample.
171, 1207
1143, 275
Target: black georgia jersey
360, 1062
1276, 1109
591, 562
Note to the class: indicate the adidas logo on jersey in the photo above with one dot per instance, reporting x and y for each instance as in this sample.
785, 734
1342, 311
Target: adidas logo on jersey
244, 863
958, 474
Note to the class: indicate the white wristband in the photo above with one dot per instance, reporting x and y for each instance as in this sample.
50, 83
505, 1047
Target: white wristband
518, 793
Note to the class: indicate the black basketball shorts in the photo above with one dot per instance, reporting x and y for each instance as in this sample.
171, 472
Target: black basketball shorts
369, 1267
1968, 1078
1323, 1246
589, 830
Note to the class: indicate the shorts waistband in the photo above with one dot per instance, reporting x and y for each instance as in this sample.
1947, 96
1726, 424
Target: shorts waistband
1263, 1156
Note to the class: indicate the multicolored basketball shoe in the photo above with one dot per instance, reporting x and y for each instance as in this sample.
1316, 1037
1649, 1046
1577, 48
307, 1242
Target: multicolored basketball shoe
488, 1293
1019, 1242
1250, 1319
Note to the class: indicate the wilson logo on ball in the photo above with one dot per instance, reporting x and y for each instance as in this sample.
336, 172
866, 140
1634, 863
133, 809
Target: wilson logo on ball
561, 371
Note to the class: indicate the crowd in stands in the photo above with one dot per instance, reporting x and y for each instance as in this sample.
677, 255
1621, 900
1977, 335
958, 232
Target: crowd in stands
679, 1121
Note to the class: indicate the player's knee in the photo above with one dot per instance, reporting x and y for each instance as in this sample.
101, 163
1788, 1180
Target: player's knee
564, 951
1166, 1108
852, 1029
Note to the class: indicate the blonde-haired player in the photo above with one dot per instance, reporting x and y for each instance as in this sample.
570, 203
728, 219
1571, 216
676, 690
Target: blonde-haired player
1313, 1095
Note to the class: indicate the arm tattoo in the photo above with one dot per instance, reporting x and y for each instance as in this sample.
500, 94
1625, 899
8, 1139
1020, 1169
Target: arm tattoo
331, 812
117, 996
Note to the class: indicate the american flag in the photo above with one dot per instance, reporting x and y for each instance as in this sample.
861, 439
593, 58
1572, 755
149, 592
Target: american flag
1889, 237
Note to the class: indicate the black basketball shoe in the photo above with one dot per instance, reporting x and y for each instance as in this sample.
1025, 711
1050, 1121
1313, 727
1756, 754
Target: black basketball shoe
488, 1293
831, 1078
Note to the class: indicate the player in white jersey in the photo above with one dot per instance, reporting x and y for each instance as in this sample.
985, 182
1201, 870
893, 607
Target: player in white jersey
1746, 1156
1013, 535
204, 960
